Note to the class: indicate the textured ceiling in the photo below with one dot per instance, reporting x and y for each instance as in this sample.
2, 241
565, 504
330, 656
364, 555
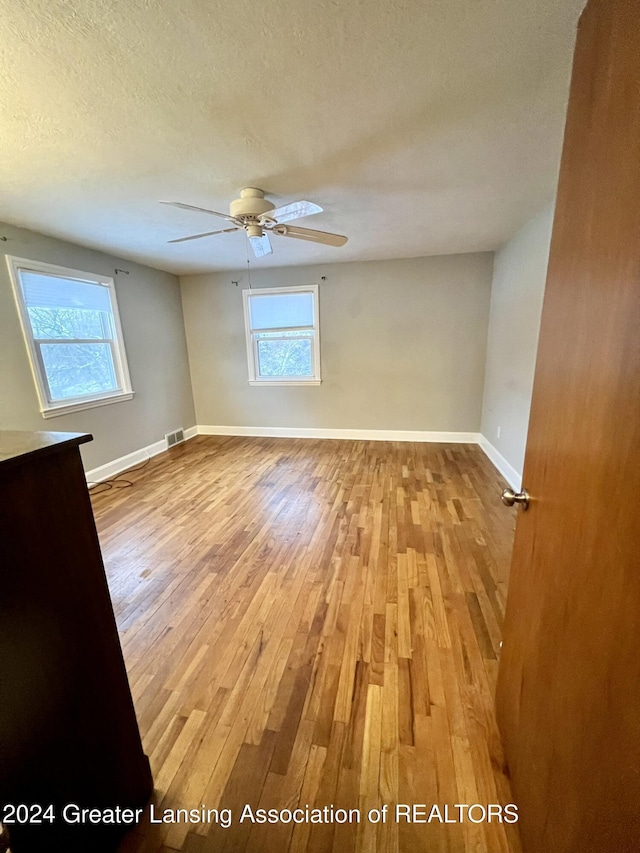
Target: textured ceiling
420, 126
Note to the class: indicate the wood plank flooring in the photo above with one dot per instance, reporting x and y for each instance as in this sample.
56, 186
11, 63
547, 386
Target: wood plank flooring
314, 622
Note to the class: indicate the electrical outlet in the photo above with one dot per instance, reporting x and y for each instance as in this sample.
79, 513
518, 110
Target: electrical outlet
498, 432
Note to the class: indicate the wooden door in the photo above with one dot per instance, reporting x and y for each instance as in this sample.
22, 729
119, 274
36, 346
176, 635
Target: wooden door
568, 697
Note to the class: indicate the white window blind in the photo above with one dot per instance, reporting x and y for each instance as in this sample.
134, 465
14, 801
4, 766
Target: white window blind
50, 291
283, 311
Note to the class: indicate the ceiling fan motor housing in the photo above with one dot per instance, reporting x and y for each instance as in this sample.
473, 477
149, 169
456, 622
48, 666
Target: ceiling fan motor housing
251, 203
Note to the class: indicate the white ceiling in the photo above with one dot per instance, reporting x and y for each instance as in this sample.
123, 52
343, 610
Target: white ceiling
420, 126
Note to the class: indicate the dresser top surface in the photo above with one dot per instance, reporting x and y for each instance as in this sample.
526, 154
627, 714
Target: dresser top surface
17, 446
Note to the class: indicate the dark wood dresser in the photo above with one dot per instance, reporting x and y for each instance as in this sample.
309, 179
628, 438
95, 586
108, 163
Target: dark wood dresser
68, 731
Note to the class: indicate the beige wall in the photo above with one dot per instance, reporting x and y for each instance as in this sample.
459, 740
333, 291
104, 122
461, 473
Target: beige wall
519, 277
402, 346
151, 315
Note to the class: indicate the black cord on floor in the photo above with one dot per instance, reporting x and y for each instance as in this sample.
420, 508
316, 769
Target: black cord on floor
117, 482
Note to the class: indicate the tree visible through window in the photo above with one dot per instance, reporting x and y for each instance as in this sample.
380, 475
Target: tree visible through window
282, 335
286, 356
74, 369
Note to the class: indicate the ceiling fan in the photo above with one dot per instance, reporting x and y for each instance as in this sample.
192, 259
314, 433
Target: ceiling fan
258, 217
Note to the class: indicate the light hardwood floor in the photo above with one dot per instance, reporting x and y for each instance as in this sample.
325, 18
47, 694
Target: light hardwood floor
314, 622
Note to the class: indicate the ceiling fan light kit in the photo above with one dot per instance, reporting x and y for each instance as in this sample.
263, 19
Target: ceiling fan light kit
257, 216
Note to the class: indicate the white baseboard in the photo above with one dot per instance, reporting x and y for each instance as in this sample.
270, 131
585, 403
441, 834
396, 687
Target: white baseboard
505, 468
353, 434
105, 472
130, 460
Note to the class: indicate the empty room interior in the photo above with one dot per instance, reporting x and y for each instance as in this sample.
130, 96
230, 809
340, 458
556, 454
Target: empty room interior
271, 311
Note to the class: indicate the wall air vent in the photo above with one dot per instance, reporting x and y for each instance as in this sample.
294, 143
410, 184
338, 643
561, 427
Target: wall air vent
174, 438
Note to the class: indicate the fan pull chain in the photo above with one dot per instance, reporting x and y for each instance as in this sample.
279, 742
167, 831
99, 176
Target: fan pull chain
248, 264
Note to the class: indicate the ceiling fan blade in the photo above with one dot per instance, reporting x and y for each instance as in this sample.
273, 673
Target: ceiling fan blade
313, 236
295, 210
198, 209
261, 245
206, 234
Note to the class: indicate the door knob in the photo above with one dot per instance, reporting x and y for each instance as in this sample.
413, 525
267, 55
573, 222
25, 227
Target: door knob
509, 498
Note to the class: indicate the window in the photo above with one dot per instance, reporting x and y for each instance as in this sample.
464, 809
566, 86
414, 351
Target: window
72, 331
283, 344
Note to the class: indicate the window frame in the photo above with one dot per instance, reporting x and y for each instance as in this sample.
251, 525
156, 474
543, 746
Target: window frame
48, 407
252, 336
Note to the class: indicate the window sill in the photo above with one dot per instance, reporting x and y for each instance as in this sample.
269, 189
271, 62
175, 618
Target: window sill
69, 408
267, 382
